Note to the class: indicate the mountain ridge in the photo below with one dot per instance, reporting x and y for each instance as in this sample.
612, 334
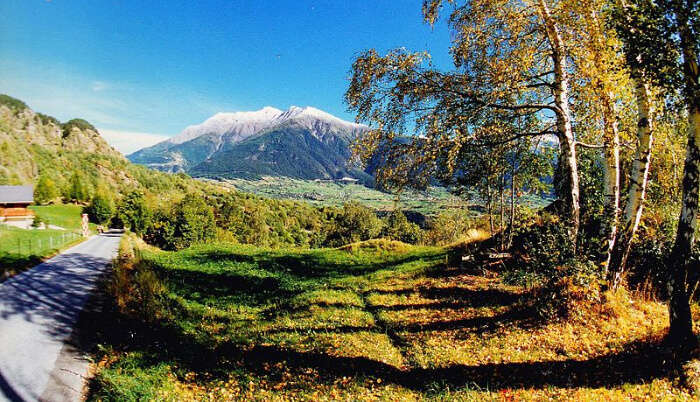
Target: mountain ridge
304, 143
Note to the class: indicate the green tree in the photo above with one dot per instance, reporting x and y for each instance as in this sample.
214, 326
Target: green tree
45, 190
397, 227
353, 223
134, 213
101, 207
193, 222
78, 190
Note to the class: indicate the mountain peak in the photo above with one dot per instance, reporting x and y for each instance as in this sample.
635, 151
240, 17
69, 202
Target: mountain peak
243, 124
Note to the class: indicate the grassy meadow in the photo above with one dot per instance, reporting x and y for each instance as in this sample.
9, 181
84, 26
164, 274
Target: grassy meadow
67, 216
378, 320
21, 249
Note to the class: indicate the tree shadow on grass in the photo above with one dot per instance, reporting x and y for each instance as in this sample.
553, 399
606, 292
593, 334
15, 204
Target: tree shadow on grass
640, 362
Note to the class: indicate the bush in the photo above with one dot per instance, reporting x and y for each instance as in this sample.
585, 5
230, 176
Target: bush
37, 221
134, 213
76, 123
136, 288
352, 224
45, 190
101, 208
447, 228
397, 227
45, 119
542, 249
15, 105
78, 189
190, 222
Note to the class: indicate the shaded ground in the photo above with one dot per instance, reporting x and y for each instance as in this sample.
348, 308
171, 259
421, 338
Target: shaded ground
241, 322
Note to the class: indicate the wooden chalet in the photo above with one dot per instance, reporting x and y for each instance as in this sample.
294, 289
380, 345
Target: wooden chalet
14, 202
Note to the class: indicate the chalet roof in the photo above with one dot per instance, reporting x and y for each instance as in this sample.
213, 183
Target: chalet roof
16, 194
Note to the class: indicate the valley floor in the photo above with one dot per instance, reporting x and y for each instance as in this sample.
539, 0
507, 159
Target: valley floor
377, 321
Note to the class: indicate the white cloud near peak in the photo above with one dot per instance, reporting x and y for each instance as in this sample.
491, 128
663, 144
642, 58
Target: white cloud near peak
128, 142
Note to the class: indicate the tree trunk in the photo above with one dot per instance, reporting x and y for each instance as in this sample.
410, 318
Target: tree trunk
489, 208
611, 141
617, 259
568, 189
512, 207
681, 322
502, 224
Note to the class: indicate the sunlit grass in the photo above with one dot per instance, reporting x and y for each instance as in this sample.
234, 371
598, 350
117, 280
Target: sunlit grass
365, 324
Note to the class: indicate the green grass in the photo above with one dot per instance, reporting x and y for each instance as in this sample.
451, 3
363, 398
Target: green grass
365, 323
21, 249
66, 216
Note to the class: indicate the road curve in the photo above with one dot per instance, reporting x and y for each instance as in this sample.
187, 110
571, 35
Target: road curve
38, 312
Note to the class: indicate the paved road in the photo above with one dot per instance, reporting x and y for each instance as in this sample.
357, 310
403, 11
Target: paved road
38, 311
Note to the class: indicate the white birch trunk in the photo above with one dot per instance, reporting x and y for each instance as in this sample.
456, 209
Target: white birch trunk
568, 166
638, 184
611, 141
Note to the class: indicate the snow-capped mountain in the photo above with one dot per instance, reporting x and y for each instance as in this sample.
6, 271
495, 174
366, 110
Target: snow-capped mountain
299, 142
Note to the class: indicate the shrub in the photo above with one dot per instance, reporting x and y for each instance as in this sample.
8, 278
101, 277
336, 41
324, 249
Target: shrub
353, 223
191, 221
542, 249
76, 123
45, 190
134, 213
37, 221
14, 104
136, 288
45, 119
101, 208
448, 227
397, 227
78, 189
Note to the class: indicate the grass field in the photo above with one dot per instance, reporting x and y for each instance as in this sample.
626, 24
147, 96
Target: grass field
66, 216
381, 322
21, 249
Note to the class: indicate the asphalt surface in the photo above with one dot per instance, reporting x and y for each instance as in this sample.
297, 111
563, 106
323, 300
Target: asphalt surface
39, 310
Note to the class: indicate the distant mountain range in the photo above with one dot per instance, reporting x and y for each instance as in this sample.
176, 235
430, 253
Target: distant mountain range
303, 143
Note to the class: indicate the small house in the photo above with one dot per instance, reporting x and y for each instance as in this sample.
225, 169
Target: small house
14, 203
348, 180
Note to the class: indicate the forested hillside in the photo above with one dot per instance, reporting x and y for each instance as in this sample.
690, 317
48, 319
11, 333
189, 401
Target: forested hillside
70, 162
70, 156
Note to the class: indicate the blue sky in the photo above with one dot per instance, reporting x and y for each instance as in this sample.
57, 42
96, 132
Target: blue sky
141, 70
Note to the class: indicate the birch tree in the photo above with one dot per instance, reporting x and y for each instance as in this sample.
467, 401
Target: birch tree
602, 82
663, 39
510, 60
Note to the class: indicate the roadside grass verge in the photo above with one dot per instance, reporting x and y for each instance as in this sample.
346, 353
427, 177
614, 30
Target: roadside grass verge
21, 249
229, 322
